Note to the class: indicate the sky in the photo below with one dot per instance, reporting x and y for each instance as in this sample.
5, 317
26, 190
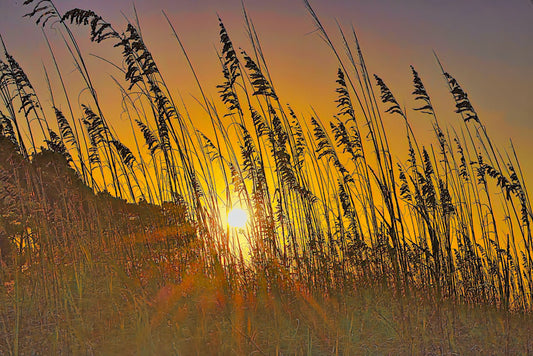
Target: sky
487, 45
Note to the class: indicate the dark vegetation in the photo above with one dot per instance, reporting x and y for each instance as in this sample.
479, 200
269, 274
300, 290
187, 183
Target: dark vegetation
44, 201
107, 249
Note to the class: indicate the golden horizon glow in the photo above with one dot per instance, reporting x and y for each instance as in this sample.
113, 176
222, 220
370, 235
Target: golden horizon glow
237, 218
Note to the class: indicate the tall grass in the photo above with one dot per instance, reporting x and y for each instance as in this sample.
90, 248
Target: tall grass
332, 213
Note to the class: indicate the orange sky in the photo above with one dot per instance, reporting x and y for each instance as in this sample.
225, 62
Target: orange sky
486, 44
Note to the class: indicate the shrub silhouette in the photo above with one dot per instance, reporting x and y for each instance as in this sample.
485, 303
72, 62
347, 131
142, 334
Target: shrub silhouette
43, 195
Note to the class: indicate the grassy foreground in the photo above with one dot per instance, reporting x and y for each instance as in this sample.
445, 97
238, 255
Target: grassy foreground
101, 307
167, 301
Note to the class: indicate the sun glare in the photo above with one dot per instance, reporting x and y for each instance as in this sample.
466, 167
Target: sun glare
237, 217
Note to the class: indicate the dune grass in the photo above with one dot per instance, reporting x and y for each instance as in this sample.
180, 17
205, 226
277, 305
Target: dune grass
347, 251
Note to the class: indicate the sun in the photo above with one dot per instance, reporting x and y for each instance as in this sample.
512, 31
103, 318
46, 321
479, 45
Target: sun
237, 217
